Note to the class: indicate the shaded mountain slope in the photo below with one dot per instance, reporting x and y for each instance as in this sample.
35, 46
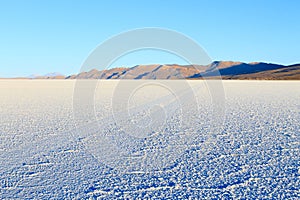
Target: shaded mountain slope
227, 69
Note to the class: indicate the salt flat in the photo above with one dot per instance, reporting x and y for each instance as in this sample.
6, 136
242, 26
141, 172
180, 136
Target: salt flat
149, 139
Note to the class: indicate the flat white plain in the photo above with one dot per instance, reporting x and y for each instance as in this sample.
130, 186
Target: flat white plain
46, 152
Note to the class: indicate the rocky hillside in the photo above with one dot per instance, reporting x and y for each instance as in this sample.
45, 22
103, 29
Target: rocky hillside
227, 69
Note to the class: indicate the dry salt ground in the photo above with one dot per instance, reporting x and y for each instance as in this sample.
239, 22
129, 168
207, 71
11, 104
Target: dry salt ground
149, 139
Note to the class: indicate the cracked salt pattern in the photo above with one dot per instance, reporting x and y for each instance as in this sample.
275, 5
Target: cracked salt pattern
45, 154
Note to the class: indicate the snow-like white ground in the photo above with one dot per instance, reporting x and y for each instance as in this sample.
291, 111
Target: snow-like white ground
149, 139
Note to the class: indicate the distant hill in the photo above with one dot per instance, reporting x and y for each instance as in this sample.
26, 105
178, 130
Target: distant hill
54, 75
227, 69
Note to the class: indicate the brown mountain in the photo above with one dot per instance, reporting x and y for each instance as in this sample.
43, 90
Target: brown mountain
227, 69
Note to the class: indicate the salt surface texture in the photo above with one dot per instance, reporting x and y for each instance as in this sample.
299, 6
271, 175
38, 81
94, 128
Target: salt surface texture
149, 142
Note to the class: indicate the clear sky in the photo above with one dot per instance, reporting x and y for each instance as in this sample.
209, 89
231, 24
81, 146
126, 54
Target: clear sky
41, 36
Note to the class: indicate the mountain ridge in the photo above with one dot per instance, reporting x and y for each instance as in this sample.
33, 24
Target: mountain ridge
227, 70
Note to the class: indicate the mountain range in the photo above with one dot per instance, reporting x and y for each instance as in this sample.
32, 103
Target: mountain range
227, 70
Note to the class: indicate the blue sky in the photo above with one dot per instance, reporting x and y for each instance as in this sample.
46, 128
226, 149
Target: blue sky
38, 37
